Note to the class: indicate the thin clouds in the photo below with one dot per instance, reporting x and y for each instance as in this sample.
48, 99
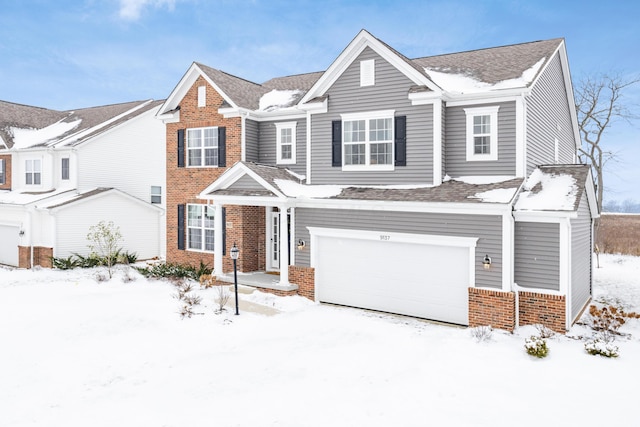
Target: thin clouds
131, 10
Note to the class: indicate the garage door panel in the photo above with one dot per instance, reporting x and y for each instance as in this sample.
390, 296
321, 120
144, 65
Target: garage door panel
9, 241
415, 279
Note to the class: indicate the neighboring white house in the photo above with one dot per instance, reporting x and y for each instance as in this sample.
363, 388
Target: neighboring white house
62, 172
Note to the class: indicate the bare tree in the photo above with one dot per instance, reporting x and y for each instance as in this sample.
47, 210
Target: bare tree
599, 104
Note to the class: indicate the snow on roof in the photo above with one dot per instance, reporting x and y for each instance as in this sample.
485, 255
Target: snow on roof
293, 189
25, 138
277, 99
24, 198
463, 83
498, 195
544, 191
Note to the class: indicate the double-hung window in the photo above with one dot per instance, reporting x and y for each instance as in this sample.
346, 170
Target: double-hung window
64, 167
33, 171
2, 171
368, 140
202, 146
200, 228
482, 133
286, 143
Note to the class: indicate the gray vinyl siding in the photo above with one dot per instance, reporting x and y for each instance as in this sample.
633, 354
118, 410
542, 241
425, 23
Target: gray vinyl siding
548, 118
580, 258
489, 234
537, 251
246, 183
390, 92
251, 141
456, 163
268, 145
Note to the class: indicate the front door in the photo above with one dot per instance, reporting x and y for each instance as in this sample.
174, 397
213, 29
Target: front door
273, 250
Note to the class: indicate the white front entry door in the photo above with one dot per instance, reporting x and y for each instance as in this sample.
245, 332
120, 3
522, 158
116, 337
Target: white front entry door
273, 241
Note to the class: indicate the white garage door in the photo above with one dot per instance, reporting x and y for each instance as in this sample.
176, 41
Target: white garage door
422, 276
9, 241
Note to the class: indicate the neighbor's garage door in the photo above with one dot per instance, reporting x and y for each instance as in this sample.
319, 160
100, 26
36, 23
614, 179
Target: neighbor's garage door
9, 241
422, 276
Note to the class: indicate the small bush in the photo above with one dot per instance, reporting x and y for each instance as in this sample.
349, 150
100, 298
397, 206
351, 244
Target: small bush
482, 333
536, 346
544, 332
89, 261
222, 297
202, 270
599, 347
169, 271
64, 263
128, 257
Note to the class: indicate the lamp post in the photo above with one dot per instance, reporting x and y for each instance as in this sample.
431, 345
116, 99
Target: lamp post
235, 252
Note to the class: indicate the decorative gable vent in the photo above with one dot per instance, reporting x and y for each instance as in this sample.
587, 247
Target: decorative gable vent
202, 96
368, 72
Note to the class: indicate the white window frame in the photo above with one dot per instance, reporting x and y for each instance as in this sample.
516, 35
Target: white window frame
367, 117
156, 194
279, 143
471, 113
202, 96
62, 169
33, 168
367, 72
191, 224
202, 148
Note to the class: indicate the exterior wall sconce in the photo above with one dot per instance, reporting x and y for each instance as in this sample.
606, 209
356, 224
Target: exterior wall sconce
21, 233
486, 262
301, 244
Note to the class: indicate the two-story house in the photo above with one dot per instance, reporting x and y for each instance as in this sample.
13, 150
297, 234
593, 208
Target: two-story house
442, 187
63, 171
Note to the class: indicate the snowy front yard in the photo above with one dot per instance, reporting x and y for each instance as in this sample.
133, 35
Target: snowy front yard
77, 352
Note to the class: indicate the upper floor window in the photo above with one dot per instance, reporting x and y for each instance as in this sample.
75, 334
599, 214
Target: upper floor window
202, 96
286, 143
368, 140
33, 171
64, 167
482, 133
200, 228
156, 194
2, 171
202, 146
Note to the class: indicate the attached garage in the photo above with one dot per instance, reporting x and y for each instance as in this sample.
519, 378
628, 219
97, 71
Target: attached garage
424, 276
9, 241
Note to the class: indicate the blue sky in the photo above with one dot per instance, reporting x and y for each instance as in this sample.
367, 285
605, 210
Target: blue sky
72, 54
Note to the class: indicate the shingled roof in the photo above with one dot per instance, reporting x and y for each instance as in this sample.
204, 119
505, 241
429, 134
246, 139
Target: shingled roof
28, 117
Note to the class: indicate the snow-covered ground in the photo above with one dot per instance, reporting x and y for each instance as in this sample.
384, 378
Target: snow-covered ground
78, 352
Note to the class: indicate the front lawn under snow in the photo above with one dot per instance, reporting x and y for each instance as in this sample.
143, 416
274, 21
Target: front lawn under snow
78, 352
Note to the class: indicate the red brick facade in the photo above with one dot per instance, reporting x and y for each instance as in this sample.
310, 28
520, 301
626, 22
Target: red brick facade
245, 226
304, 277
493, 308
7, 172
548, 310
41, 256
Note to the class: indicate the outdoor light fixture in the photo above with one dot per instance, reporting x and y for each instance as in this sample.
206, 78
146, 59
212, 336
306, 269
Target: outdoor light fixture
21, 233
235, 253
486, 262
301, 244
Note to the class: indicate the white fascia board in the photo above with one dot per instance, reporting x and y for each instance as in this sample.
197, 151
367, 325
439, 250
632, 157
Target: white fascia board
232, 175
506, 95
426, 239
363, 40
544, 216
114, 191
385, 205
315, 107
169, 117
246, 200
592, 199
262, 116
521, 148
421, 98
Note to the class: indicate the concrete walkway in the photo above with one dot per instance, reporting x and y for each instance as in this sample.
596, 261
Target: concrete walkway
247, 306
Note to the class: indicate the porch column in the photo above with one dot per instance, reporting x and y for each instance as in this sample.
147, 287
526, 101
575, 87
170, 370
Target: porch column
218, 240
284, 246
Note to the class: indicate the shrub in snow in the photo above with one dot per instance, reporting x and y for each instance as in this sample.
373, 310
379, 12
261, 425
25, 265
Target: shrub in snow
222, 297
600, 347
104, 238
482, 333
174, 271
189, 301
536, 346
544, 332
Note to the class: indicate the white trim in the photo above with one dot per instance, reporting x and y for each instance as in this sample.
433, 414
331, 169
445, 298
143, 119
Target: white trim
202, 96
367, 116
217, 242
283, 246
458, 100
233, 174
280, 126
308, 136
471, 113
243, 138
508, 251
521, 147
437, 143
543, 216
292, 236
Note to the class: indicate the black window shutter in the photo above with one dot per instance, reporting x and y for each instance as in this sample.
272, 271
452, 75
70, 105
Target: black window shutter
222, 146
180, 148
224, 231
401, 140
181, 221
336, 143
